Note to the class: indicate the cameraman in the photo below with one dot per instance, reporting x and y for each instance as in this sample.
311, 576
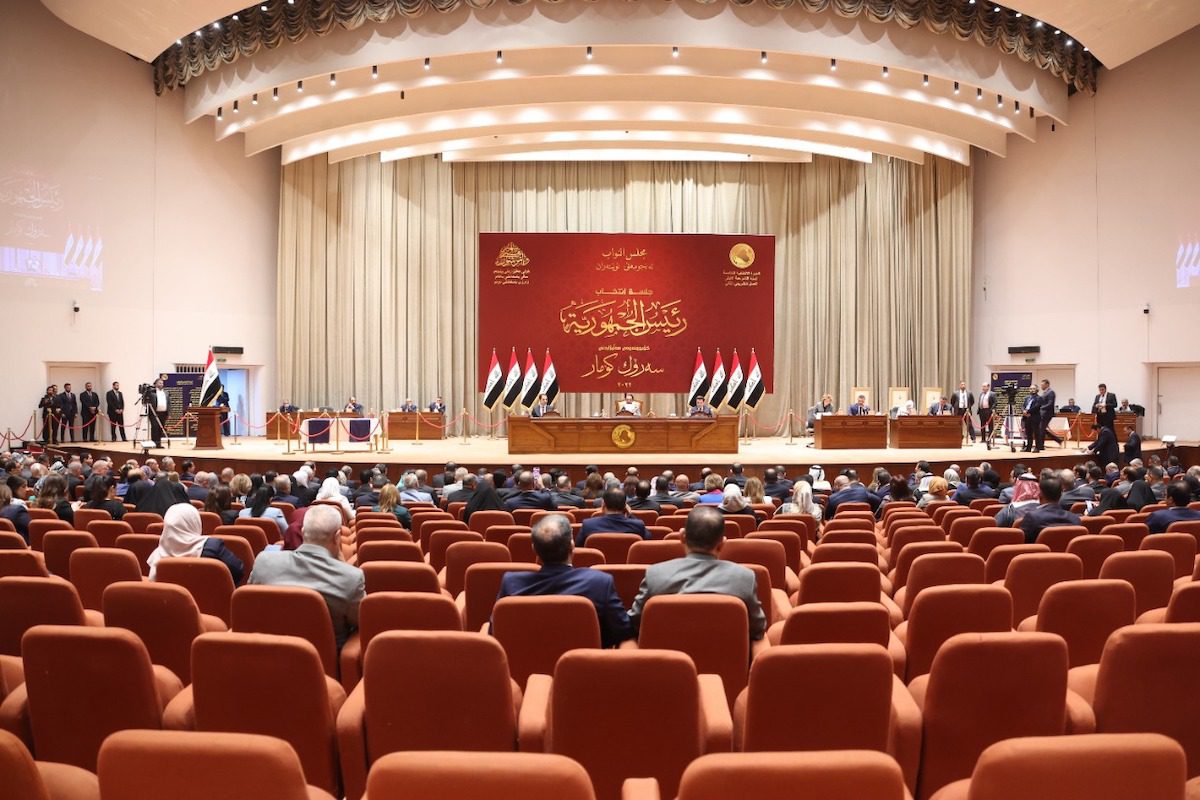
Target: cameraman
155, 399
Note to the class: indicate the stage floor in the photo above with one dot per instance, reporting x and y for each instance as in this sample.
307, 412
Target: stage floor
258, 454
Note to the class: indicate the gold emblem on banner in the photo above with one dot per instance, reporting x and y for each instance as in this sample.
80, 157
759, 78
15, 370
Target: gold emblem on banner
624, 436
511, 256
741, 255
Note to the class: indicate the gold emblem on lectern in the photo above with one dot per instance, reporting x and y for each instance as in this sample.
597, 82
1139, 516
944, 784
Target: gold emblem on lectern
623, 436
511, 256
741, 255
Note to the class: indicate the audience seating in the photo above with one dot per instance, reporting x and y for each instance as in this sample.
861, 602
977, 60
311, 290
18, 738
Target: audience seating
1092, 550
400, 576
628, 579
1191, 527
911, 535
22, 777
23, 563
999, 559
1084, 613
286, 611
939, 569
441, 540
662, 717
536, 631
140, 520
461, 555
1096, 525
11, 540
520, 547
164, 617
497, 776
93, 569
1031, 574
899, 574
588, 557
833, 623
942, 612
38, 528
654, 552
1183, 607
464, 699
615, 546
1058, 537
57, 547
376, 533
843, 536
141, 545
182, 765
106, 531
480, 588
1131, 533
1152, 573
236, 687
482, 520
1181, 547
713, 629
251, 533
394, 611
83, 516
985, 540
388, 551
207, 579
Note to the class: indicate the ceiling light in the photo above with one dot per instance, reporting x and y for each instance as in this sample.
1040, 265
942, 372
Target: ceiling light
235, 17
254, 99
333, 79
1070, 42
275, 93
1087, 50
996, 8
179, 41
1019, 15
979, 94
885, 72
427, 62
299, 86
216, 26
235, 106
198, 34
263, 7
220, 113
589, 53
972, 2
674, 52
762, 57
1016, 106
999, 100
956, 87
833, 65
374, 72
499, 56
1057, 32
1038, 24
924, 80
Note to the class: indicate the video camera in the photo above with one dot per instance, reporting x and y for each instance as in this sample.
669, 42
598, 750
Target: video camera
146, 393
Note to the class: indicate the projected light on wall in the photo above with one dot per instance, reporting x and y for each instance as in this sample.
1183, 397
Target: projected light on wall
35, 243
1187, 264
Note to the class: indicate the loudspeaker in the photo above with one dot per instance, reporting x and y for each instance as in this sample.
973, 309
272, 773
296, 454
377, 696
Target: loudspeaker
1031, 348
233, 351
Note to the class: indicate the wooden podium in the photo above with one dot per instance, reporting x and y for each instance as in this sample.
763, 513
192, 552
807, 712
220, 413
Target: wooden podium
208, 426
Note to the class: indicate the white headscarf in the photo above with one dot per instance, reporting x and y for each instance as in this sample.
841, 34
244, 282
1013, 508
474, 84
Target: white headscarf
302, 476
331, 491
182, 535
733, 500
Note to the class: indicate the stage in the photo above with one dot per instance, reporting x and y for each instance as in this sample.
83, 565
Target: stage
256, 454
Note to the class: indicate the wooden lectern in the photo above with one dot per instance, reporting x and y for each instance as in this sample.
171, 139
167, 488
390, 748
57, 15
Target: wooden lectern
208, 426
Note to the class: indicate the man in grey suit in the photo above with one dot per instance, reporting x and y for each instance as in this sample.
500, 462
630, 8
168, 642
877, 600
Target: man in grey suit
317, 565
700, 571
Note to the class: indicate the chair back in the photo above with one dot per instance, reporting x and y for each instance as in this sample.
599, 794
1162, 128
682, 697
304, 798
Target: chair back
1030, 575
208, 580
1180, 546
400, 576
38, 528
480, 521
536, 631
31, 601
106, 531
440, 542
829, 623
140, 520
713, 629
497, 776
57, 547
941, 569
839, 583
615, 546
1152, 573
93, 569
768, 553
164, 616
912, 551
655, 552
141, 545
1085, 613
1058, 537
84, 516
628, 579
461, 555
775, 776
1131, 533
1000, 557
253, 534
286, 611
480, 588
941, 612
389, 551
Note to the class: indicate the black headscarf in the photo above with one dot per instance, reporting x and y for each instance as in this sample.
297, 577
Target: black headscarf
1140, 494
1109, 499
485, 499
162, 496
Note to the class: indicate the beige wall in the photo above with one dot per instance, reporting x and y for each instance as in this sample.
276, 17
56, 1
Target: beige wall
1076, 233
189, 226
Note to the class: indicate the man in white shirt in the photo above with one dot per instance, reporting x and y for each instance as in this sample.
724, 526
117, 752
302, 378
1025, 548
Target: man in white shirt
987, 403
961, 404
158, 417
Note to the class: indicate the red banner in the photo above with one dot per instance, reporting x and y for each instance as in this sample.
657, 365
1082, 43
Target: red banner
626, 312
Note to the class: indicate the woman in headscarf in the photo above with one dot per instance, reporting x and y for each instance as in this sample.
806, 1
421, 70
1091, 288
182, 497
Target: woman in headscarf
802, 502
485, 499
1025, 497
331, 492
1139, 494
938, 489
260, 506
182, 537
732, 502
162, 496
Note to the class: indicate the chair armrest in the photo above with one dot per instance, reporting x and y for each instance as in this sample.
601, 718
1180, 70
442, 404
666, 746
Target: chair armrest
628, 644
917, 687
1027, 625
781, 606
714, 710
640, 789
774, 633
352, 743
93, 618
14, 715
1080, 717
213, 624
959, 790
904, 736
180, 713
758, 647
460, 603
166, 684
350, 662
1082, 681
894, 613
534, 719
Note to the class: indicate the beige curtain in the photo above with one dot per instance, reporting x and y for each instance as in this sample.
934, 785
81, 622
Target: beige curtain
378, 265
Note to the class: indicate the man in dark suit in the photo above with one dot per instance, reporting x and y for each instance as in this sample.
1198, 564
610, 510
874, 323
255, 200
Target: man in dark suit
847, 489
987, 405
114, 401
49, 408
961, 403
773, 487
561, 494
1177, 498
89, 409
860, 407
552, 544
1104, 406
541, 407
701, 408
1046, 408
1133, 446
941, 408
354, 407
702, 572
974, 488
1070, 408
615, 519
529, 494
1075, 491
437, 406
408, 406
68, 409
641, 500
662, 485
200, 487
469, 484
1105, 447
1031, 418
736, 476
1049, 514
288, 407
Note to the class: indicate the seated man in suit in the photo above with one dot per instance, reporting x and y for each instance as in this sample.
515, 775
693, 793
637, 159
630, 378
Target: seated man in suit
1071, 407
553, 545
1049, 513
542, 407
701, 572
562, 494
941, 408
317, 564
288, 407
615, 519
1074, 491
529, 494
353, 407
200, 487
641, 500
437, 406
628, 405
408, 406
470, 483
774, 487
701, 409
826, 406
847, 489
974, 488
411, 491
860, 407
1177, 499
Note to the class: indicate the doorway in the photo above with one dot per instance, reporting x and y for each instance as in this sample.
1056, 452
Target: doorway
236, 383
1179, 402
78, 375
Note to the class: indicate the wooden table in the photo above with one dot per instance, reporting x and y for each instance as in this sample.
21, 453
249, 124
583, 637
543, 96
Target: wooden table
928, 432
279, 426
414, 425
622, 435
837, 432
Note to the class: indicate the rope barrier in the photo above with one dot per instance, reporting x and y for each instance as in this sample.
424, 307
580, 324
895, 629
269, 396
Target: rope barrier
342, 423
477, 421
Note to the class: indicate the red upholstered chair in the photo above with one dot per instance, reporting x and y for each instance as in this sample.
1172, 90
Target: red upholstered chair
480, 588
520, 547
802, 525
388, 551
242, 551
1181, 547
27, 602
57, 547
23, 563
501, 533
615, 546
164, 617
987, 687
910, 553
233, 690
140, 521
286, 611
628, 579
83, 516
1131, 533
184, 765
939, 569
39, 527
466, 700
911, 535
23, 777
964, 527
536, 631
1184, 605
11, 540
1188, 526
1000, 557
853, 552
839, 583
780, 711
587, 557
93, 569
390, 533
141, 545
1096, 525
209, 522
941, 612
834, 623
1084, 613
497, 776
946, 517
480, 521
660, 700
1098, 766
854, 506
759, 551
1092, 550
69, 716
1058, 537
439, 543
1145, 682
1151, 572
251, 533
713, 629
394, 611
107, 531
985, 540
856, 536
461, 555
207, 579
852, 524
655, 552
1030, 575
400, 576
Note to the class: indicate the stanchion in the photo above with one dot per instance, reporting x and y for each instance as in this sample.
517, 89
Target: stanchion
791, 428
385, 440
462, 421
417, 441
287, 421
492, 423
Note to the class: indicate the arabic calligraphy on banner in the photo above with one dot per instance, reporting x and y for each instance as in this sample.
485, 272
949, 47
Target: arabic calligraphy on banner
625, 312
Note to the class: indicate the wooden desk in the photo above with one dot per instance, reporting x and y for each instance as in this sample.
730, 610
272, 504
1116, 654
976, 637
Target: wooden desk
928, 432
1080, 426
623, 435
279, 426
404, 425
837, 432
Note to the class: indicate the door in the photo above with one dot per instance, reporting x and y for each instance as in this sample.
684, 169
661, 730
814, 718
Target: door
237, 384
1179, 402
78, 375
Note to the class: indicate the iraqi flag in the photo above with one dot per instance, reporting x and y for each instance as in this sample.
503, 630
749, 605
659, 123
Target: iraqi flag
211, 388
737, 383
512, 382
494, 386
699, 379
549, 380
716, 391
754, 382
529, 386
